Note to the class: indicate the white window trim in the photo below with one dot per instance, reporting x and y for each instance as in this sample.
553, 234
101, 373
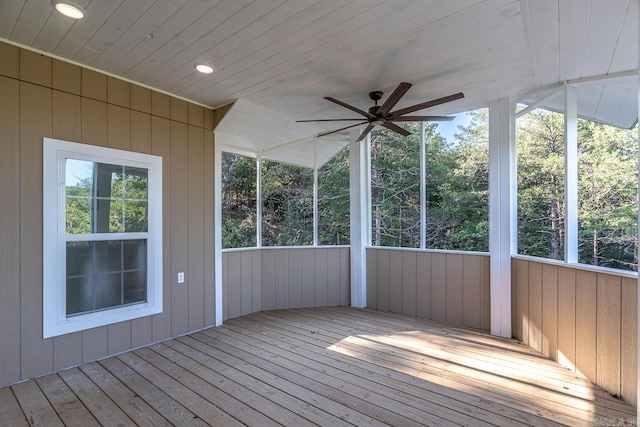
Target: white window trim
55, 321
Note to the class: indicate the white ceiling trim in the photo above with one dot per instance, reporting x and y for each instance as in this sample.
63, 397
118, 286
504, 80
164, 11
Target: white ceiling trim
273, 136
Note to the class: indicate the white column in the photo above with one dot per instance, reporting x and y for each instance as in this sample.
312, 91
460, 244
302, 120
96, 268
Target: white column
502, 211
315, 193
638, 312
259, 201
217, 226
359, 199
423, 188
571, 174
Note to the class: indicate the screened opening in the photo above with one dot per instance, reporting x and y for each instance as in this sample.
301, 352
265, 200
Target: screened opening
607, 195
541, 206
395, 187
287, 205
333, 201
239, 201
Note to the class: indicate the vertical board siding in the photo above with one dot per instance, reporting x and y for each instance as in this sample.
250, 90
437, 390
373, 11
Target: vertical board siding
628, 339
179, 228
281, 278
588, 322
196, 219
372, 277
246, 282
409, 283
566, 318
608, 332
161, 146
454, 289
549, 310
471, 292
438, 295
36, 121
396, 282
423, 284
446, 286
535, 306
586, 326
10, 247
43, 97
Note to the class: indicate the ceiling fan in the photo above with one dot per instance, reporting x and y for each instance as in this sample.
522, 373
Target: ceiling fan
381, 115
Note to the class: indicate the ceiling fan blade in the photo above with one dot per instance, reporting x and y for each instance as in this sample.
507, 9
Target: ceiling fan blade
350, 107
424, 118
396, 128
330, 120
338, 130
393, 99
424, 105
366, 131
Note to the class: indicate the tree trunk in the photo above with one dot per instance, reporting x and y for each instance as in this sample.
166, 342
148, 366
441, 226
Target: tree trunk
555, 230
377, 222
595, 247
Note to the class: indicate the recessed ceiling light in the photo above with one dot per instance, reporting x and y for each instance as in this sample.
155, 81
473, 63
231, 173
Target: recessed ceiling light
69, 9
204, 68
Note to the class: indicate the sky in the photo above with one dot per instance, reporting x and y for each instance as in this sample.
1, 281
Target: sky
447, 129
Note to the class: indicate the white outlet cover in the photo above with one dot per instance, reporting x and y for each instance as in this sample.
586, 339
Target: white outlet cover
181, 277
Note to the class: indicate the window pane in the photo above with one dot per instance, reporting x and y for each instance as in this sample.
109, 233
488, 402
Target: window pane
541, 214
105, 198
105, 274
238, 201
457, 182
607, 196
287, 212
333, 201
395, 187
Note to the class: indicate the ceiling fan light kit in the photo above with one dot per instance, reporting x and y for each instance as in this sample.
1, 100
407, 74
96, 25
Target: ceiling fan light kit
381, 115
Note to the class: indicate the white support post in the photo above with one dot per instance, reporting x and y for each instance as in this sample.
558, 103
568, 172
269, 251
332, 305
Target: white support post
217, 227
259, 200
359, 197
502, 211
423, 188
571, 174
638, 312
315, 193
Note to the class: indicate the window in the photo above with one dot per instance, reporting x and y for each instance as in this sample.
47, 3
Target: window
102, 236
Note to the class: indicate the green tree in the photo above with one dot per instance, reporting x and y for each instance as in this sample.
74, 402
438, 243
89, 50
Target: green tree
395, 187
607, 189
540, 143
238, 201
333, 201
287, 205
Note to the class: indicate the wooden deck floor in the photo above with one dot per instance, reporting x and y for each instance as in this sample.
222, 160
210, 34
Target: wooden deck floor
325, 366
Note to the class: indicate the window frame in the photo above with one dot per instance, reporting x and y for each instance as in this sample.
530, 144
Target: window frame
55, 319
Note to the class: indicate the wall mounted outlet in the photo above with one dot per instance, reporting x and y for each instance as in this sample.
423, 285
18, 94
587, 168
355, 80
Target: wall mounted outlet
181, 277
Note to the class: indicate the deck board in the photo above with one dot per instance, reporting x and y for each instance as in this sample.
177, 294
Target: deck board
333, 366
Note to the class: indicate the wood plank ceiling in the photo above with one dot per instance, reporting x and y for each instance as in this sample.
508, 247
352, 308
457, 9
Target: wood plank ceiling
286, 55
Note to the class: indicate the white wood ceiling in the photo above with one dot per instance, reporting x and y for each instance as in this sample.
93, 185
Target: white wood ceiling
287, 55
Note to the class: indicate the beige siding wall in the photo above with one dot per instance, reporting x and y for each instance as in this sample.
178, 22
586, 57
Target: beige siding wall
451, 287
583, 318
278, 278
43, 97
